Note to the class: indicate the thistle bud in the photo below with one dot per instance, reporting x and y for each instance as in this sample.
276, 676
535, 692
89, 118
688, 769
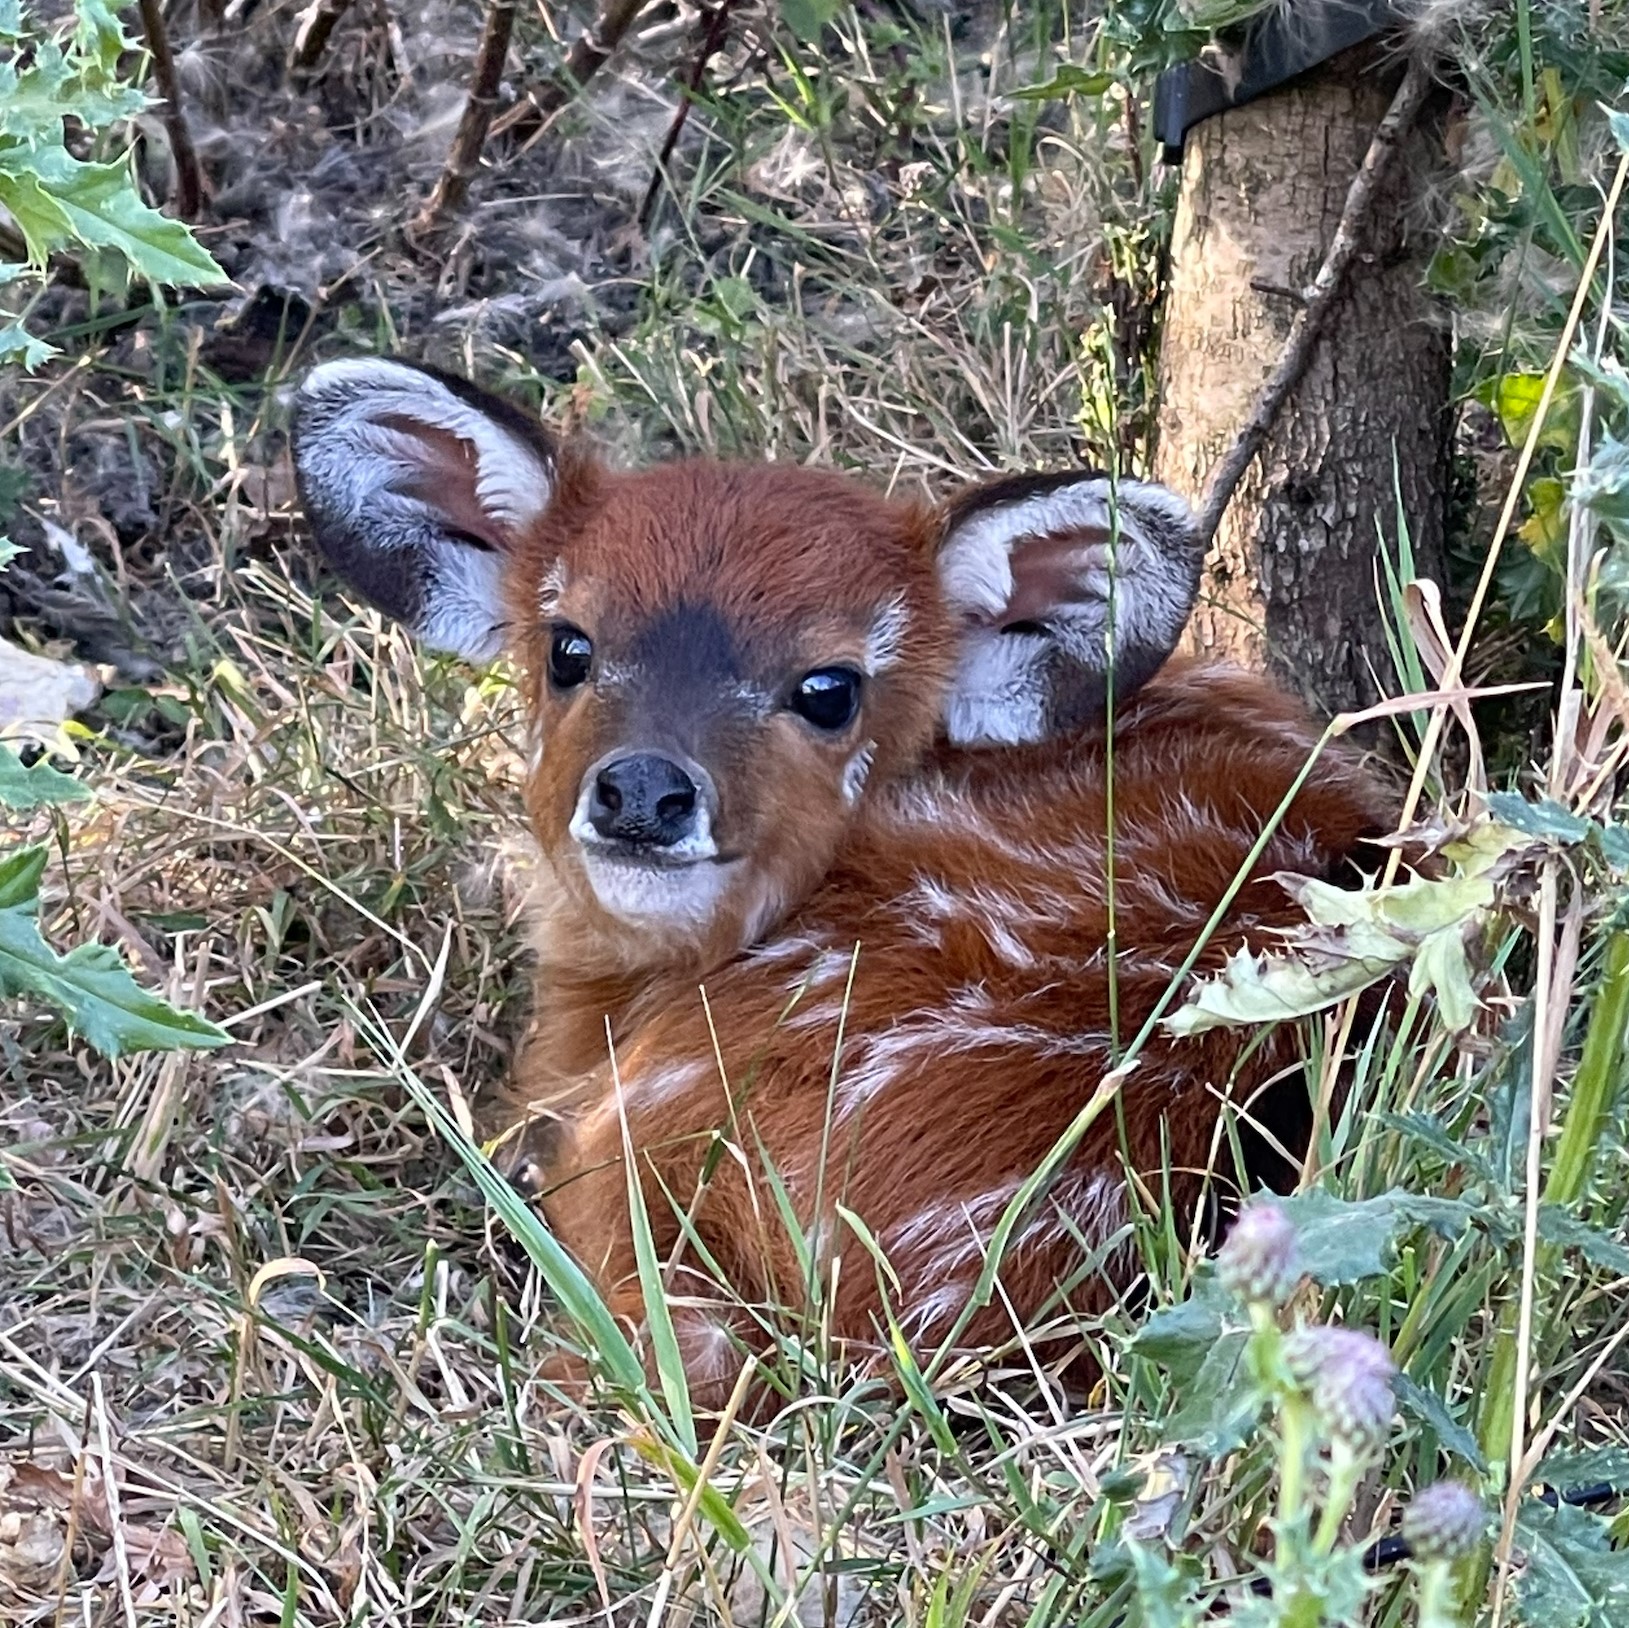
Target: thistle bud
1444, 1522
1348, 1376
1261, 1260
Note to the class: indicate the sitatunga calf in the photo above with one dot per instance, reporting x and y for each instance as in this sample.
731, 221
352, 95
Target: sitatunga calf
841, 760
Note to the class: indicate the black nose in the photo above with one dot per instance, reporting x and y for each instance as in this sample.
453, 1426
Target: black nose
644, 798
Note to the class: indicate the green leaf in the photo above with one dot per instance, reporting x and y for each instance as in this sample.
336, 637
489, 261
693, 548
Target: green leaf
917, 1390
1347, 1240
1207, 1360
34, 103
1070, 81
1167, 1588
20, 875
1425, 1405
658, 1313
1442, 969
18, 347
1545, 819
1220, 1405
1179, 1337
91, 986
1614, 840
1515, 398
1598, 1247
37, 215
38, 787
1254, 989
808, 18
99, 36
104, 211
1588, 1467
1571, 1576
567, 1281
1603, 483
1432, 1134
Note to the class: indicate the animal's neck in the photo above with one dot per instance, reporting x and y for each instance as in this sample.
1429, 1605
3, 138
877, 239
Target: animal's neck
595, 983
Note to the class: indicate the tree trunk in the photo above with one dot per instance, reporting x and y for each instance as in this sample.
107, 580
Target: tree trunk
1290, 579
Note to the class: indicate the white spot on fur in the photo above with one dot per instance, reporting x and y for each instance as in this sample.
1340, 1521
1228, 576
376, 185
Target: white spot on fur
925, 1314
881, 1060
857, 772
550, 589
886, 640
647, 1087
1080, 1202
822, 1015
789, 948
937, 1250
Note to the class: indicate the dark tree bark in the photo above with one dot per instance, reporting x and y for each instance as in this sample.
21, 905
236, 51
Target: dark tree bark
1290, 578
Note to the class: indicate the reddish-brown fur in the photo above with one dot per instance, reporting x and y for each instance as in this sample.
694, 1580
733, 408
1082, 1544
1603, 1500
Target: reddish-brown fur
969, 888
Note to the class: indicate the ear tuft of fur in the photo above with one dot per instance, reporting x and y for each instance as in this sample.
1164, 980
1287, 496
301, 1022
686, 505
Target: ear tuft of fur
1071, 587
417, 485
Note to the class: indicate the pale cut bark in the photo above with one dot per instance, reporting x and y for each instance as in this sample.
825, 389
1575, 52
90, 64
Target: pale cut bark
1290, 579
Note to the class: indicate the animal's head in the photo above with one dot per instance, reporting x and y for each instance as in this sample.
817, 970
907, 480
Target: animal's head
724, 659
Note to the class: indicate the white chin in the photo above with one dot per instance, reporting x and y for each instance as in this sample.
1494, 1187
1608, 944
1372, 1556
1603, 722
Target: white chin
677, 896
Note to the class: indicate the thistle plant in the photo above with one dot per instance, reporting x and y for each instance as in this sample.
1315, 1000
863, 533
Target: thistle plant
1330, 1389
1443, 1527
1318, 1407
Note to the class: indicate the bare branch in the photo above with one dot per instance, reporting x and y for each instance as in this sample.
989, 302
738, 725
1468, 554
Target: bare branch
311, 32
717, 22
1321, 296
592, 49
188, 183
465, 155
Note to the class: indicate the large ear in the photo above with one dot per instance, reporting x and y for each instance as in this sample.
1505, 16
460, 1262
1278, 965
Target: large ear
417, 486
1034, 565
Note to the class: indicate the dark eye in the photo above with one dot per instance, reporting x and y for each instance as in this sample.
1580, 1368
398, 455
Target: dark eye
571, 654
828, 697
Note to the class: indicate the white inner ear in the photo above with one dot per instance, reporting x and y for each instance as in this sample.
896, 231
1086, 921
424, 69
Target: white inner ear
462, 614
365, 453
975, 565
999, 696
1001, 691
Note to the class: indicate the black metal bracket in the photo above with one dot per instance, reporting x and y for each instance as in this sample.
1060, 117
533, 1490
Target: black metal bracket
1273, 50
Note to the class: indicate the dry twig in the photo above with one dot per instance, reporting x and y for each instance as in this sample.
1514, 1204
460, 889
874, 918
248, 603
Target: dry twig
1322, 294
593, 48
311, 33
188, 183
717, 21
453, 186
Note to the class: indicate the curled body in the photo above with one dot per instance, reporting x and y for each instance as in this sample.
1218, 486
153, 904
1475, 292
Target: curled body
910, 1044
841, 762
